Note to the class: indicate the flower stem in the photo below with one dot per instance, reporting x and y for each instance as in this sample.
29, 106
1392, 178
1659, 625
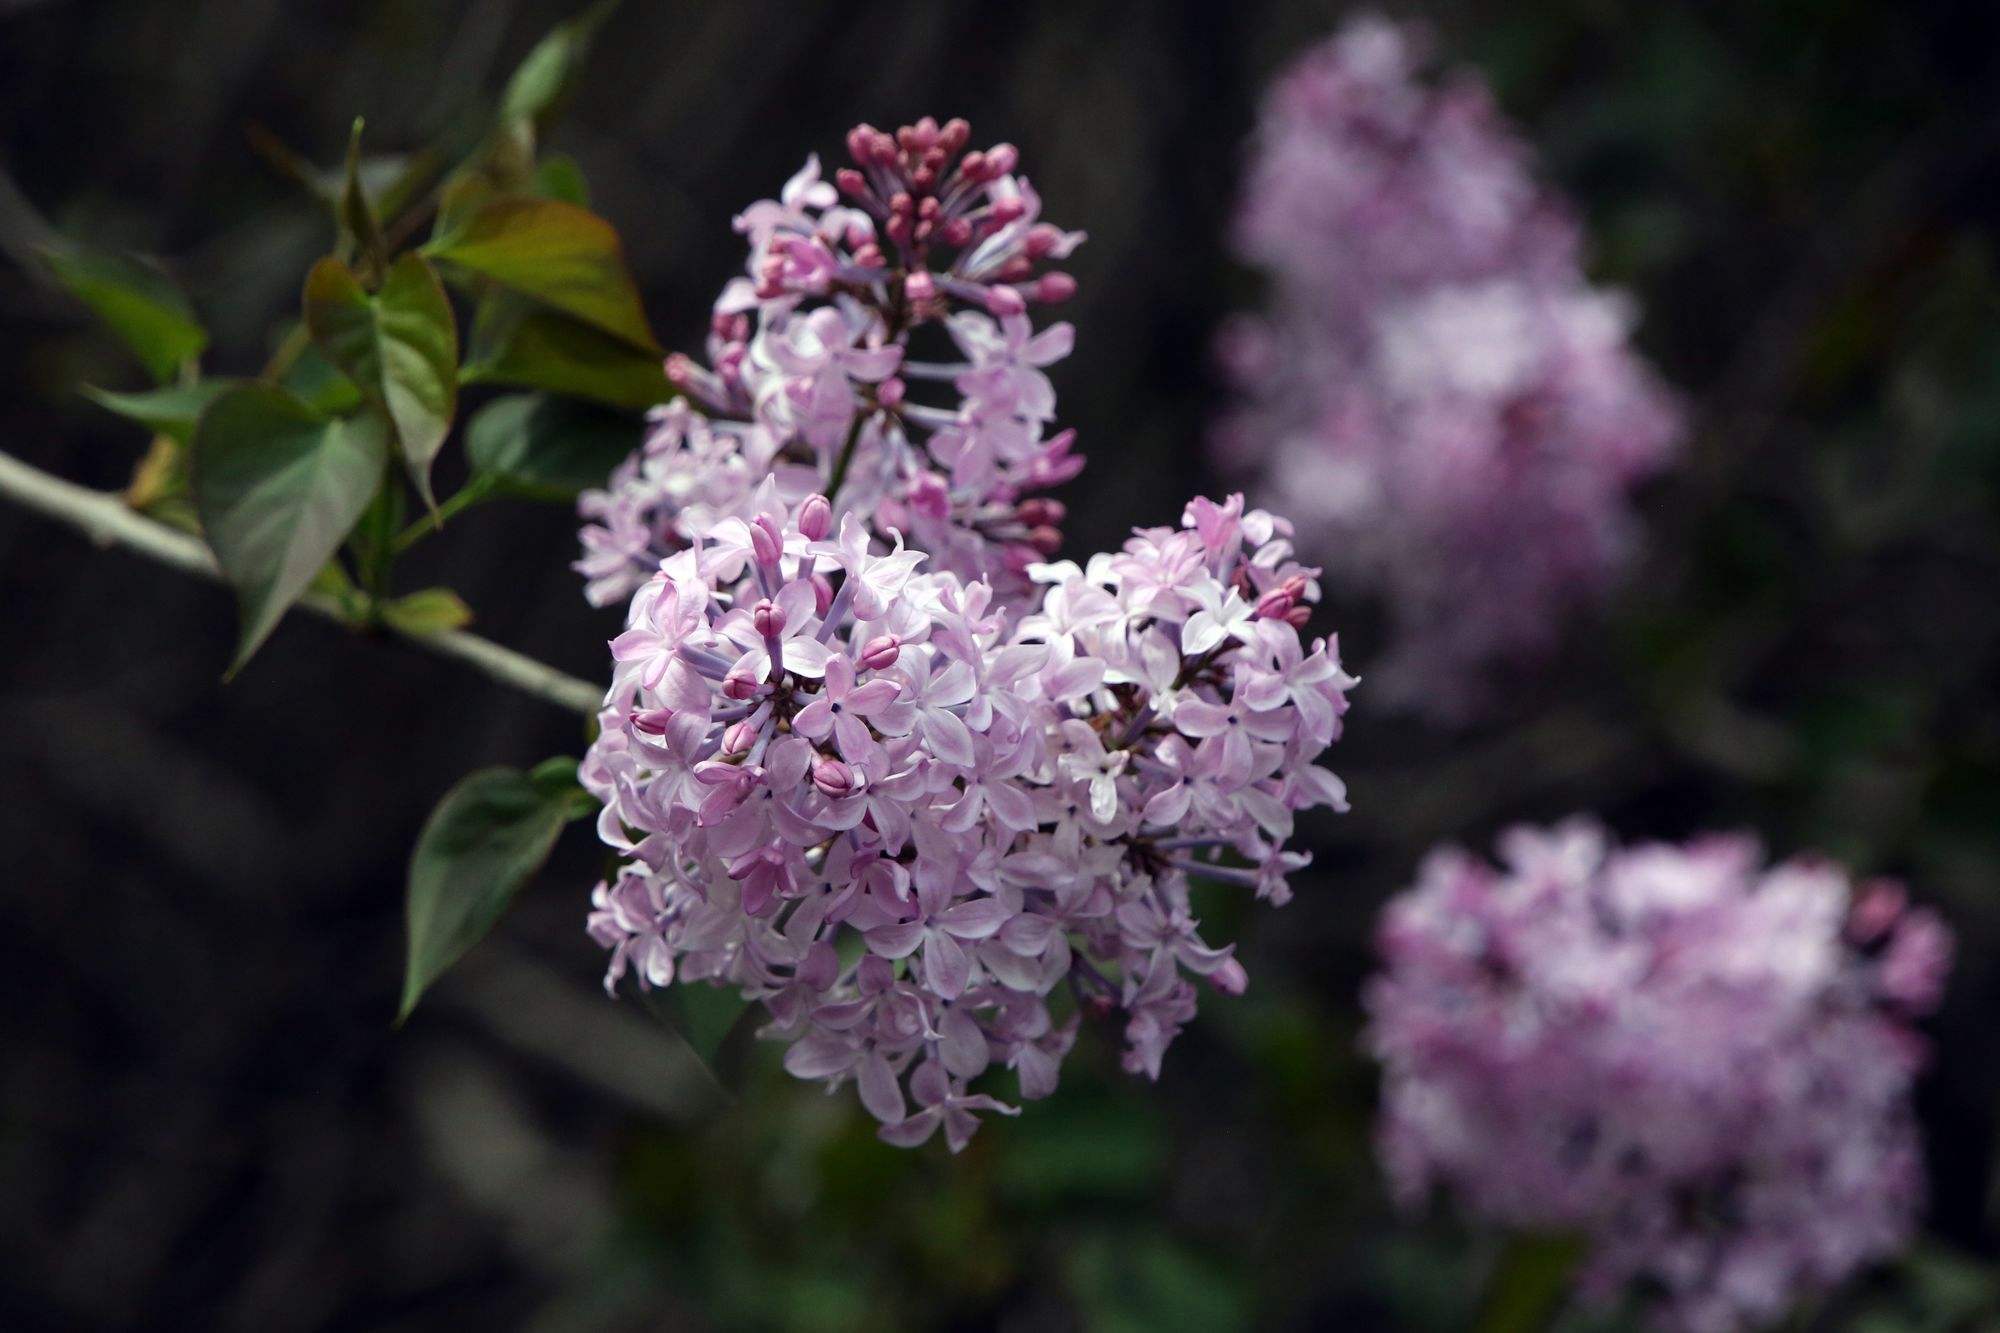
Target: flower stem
106, 520
840, 465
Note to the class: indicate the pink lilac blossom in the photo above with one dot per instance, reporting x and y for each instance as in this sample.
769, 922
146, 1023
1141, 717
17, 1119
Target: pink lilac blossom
1699, 1063
928, 835
1454, 416
810, 382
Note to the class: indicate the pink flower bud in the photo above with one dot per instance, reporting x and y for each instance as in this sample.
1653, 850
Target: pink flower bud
1275, 603
955, 232
1005, 211
767, 544
851, 182
680, 369
1004, 301
1001, 159
1042, 240
1230, 978
1054, 288
920, 287
1045, 539
1040, 510
738, 739
889, 393
833, 778
1876, 911
1298, 616
880, 653
739, 685
653, 721
769, 618
815, 517
954, 134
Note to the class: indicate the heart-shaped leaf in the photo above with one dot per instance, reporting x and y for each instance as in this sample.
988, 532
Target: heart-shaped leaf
139, 302
514, 341
278, 487
561, 255
170, 411
488, 834
399, 345
545, 448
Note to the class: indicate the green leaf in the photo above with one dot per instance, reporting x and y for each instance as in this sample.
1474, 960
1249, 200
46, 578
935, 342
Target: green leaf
170, 411
400, 345
515, 342
561, 255
360, 230
139, 302
545, 448
536, 91
427, 611
318, 384
713, 1022
278, 486
1529, 1285
488, 834
557, 176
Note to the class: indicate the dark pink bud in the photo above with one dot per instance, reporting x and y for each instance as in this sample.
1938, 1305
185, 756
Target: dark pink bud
822, 594
1298, 616
739, 685
1001, 159
956, 232
1876, 911
653, 721
880, 653
851, 182
889, 393
1006, 210
1016, 269
769, 618
815, 517
1054, 288
1040, 510
833, 778
1275, 603
1230, 978
954, 134
1045, 539
898, 228
738, 739
973, 164
767, 544
870, 256
861, 143
1042, 240
920, 287
680, 369
1004, 301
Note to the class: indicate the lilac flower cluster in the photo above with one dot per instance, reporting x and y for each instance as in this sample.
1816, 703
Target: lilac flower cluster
1453, 414
1701, 1064
808, 379
850, 788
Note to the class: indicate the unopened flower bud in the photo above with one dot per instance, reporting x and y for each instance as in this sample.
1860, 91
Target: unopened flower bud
1001, 159
1004, 301
739, 685
767, 544
1230, 978
769, 618
851, 182
920, 287
889, 393
833, 778
1045, 539
815, 517
880, 653
653, 721
1040, 510
1054, 288
738, 739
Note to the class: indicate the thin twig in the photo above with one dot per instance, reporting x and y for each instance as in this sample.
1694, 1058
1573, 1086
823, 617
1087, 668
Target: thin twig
108, 521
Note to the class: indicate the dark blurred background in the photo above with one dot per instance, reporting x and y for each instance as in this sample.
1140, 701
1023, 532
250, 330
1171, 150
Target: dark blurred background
206, 1119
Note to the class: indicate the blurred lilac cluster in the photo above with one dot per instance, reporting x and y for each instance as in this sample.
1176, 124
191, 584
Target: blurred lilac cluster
808, 379
1451, 412
870, 760
1699, 1063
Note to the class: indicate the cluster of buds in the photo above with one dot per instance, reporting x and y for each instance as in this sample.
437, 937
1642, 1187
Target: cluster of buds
808, 381
1698, 1063
929, 837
